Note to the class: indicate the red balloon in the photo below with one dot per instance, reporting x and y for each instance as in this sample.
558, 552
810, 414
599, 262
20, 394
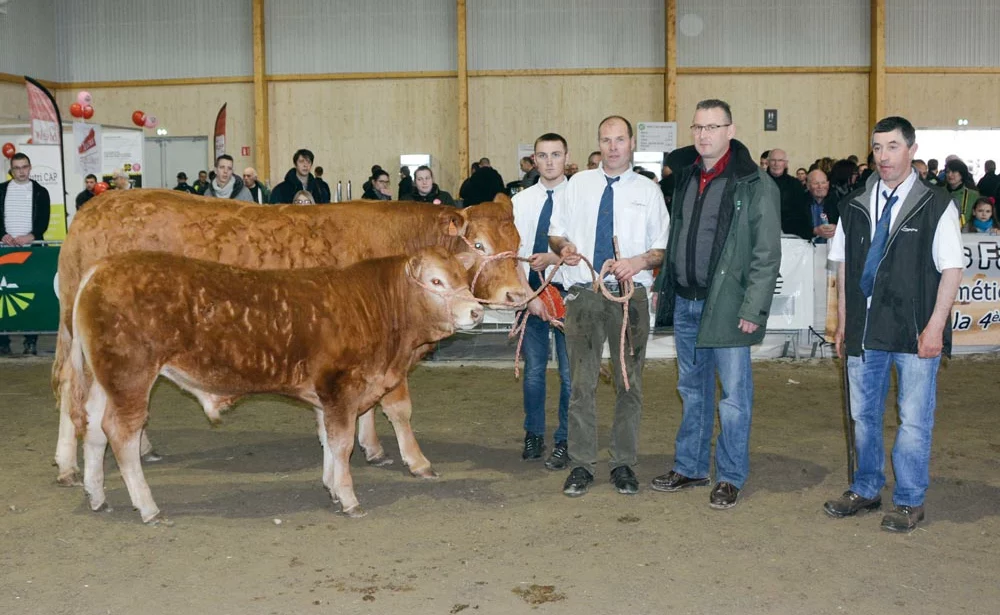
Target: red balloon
88, 112
76, 110
9, 150
100, 187
139, 118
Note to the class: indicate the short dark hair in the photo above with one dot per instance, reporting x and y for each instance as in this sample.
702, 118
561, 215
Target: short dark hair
853, 158
628, 124
200, 172
224, 157
894, 122
405, 171
20, 156
424, 167
991, 165
932, 164
551, 136
318, 171
303, 152
715, 103
527, 159
90, 176
378, 173
481, 160
803, 169
765, 154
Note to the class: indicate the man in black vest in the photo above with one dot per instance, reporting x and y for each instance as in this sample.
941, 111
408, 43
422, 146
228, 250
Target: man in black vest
901, 261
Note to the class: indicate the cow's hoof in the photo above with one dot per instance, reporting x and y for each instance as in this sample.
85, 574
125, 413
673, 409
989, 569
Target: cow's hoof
158, 520
380, 461
355, 512
101, 508
152, 457
427, 473
70, 479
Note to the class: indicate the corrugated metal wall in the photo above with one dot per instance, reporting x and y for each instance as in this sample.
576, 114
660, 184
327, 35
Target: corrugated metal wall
26, 45
346, 36
773, 32
933, 33
519, 34
110, 40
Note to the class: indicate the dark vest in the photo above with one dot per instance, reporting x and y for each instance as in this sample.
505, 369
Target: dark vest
906, 282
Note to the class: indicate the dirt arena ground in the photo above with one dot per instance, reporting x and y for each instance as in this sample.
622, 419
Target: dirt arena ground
255, 531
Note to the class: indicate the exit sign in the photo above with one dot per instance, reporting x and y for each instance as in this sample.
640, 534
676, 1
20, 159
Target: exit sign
245, 150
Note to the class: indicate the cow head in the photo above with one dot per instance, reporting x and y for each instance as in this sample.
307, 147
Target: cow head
489, 229
444, 280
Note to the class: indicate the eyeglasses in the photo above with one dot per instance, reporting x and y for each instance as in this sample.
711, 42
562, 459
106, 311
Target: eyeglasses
302, 202
382, 182
710, 128
21, 168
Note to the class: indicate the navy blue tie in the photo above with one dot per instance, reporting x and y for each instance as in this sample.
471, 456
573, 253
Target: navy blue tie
877, 249
603, 247
541, 238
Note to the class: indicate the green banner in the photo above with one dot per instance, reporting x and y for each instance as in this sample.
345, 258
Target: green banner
28, 300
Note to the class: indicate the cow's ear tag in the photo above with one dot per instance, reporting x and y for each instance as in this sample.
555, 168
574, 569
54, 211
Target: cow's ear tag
452, 229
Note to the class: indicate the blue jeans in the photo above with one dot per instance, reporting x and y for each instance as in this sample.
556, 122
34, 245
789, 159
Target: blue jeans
911, 454
536, 358
696, 384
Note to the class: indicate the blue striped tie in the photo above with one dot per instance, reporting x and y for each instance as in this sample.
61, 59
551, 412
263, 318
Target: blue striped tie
603, 247
877, 249
541, 238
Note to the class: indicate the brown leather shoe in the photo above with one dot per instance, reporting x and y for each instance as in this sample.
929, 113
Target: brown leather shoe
851, 504
672, 481
903, 518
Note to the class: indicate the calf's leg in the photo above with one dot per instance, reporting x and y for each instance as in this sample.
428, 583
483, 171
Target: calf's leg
397, 406
368, 439
94, 444
340, 443
123, 424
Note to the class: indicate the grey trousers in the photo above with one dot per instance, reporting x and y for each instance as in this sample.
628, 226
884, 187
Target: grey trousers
591, 319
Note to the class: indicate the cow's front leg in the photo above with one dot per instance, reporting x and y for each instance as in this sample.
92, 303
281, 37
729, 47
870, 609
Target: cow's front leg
397, 406
374, 453
340, 443
327, 455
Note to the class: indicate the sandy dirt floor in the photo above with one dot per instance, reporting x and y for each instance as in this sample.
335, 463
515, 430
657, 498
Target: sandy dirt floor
255, 531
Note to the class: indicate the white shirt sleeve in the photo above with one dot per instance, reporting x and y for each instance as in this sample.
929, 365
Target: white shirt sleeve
657, 223
837, 252
948, 248
560, 207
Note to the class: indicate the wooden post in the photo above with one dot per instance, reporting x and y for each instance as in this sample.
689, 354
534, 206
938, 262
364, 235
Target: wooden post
876, 78
463, 94
670, 71
261, 138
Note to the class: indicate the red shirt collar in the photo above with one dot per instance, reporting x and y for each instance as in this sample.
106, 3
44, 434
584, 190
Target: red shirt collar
707, 176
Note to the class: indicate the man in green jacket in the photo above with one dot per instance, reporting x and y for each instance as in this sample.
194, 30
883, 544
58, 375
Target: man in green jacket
719, 273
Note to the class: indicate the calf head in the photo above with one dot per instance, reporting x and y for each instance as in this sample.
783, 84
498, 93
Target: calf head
445, 296
489, 229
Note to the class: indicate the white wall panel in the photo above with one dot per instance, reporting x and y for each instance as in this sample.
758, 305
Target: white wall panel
111, 40
773, 32
519, 34
952, 33
27, 45
348, 36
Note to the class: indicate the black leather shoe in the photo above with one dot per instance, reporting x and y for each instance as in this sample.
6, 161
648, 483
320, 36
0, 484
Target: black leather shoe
624, 480
578, 482
31, 348
559, 458
903, 518
724, 495
851, 504
533, 447
672, 481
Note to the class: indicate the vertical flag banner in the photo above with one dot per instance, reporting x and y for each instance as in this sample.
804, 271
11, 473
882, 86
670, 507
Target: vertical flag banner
44, 115
87, 141
46, 133
220, 133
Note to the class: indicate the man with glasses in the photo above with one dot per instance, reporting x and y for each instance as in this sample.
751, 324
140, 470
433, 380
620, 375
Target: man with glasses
258, 191
24, 217
599, 205
719, 273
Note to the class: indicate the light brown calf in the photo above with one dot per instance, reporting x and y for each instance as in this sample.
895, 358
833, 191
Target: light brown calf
269, 237
338, 339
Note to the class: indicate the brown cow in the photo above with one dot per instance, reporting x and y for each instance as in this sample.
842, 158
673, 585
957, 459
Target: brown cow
286, 237
338, 339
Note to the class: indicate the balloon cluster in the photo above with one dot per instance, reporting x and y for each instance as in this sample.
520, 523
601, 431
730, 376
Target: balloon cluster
140, 119
9, 150
82, 108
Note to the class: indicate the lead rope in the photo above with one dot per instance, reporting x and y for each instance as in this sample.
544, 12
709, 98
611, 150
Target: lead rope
521, 318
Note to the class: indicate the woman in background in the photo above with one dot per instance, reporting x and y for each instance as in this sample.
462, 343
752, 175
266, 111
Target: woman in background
378, 187
959, 182
426, 191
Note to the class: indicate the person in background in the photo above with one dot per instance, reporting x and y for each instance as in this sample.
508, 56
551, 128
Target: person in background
88, 192
120, 180
369, 186
763, 158
921, 168
530, 172
801, 173
932, 172
481, 187
303, 197
790, 189
299, 177
201, 183
984, 218
667, 183
990, 183
226, 185
962, 188
378, 187
182, 185
821, 206
593, 160
24, 218
426, 191
572, 169
321, 185
258, 191
406, 182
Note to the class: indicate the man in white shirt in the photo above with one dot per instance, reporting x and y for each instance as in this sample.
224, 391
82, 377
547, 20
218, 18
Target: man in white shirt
610, 201
532, 216
899, 249
24, 216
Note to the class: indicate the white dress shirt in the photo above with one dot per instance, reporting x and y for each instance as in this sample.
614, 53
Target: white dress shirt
641, 220
528, 205
947, 247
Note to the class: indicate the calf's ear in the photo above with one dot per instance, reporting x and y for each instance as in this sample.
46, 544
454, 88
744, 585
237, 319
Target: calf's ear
503, 199
468, 259
453, 223
413, 266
